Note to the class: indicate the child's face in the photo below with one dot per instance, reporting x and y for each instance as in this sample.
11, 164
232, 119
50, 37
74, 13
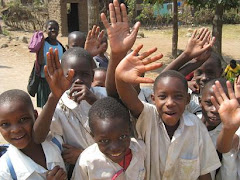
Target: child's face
208, 71
112, 137
16, 123
99, 79
52, 30
82, 70
209, 111
170, 98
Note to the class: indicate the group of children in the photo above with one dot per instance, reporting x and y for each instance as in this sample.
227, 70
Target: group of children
134, 133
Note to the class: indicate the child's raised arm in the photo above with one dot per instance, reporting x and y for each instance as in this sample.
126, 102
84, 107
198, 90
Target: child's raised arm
229, 110
129, 72
93, 41
58, 84
121, 40
198, 46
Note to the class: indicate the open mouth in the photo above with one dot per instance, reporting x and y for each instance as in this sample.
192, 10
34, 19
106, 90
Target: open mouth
18, 137
116, 154
170, 113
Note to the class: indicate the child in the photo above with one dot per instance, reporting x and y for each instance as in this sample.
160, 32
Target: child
52, 29
232, 70
211, 119
26, 156
228, 109
76, 39
178, 145
114, 155
70, 119
99, 77
101, 59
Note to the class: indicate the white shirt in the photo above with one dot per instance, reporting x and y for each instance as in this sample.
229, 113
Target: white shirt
189, 154
25, 168
194, 105
145, 94
94, 165
70, 120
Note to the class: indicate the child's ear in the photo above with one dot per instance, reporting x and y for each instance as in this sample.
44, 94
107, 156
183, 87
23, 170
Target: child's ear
153, 98
200, 100
35, 114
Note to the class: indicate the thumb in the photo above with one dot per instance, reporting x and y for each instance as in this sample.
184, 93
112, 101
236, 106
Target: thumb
70, 75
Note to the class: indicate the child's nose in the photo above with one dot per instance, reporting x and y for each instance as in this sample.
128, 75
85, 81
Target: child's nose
15, 128
170, 102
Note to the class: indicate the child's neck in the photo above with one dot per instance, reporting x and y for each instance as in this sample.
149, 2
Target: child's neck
36, 153
52, 41
102, 54
171, 129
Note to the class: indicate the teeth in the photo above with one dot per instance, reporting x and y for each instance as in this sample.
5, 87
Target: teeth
115, 155
17, 138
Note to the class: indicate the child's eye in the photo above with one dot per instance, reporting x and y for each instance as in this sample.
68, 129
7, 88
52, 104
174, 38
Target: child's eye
179, 96
104, 141
4, 125
162, 97
24, 119
123, 137
208, 103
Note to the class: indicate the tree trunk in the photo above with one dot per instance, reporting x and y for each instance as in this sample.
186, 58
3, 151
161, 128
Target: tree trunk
217, 28
93, 13
175, 29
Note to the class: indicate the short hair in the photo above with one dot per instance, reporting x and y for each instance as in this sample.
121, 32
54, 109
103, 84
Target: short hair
209, 85
51, 21
103, 69
78, 34
78, 53
15, 95
107, 108
171, 73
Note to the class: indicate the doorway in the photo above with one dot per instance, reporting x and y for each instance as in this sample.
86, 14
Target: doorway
72, 17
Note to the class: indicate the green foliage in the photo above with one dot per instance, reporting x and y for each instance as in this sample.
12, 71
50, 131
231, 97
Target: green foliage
228, 4
146, 17
231, 17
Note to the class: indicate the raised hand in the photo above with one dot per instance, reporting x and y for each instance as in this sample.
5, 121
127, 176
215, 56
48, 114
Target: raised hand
55, 77
93, 41
237, 88
80, 91
199, 44
227, 106
57, 173
71, 154
132, 66
120, 38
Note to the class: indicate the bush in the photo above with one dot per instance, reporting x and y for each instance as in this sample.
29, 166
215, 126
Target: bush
146, 17
231, 17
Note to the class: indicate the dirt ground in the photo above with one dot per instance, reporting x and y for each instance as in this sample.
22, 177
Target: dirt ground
16, 62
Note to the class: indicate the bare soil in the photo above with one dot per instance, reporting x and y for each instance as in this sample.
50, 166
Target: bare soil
16, 61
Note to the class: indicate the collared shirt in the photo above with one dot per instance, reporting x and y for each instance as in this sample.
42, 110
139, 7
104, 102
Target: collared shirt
189, 154
70, 120
25, 168
145, 94
93, 164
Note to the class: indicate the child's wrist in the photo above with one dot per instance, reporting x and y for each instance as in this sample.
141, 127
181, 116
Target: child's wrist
53, 98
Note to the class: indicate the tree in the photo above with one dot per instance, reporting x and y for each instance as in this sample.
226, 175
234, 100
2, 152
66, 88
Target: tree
219, 6
93, 13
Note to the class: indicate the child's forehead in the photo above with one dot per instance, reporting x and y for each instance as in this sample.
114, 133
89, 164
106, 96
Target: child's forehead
109, 124
76, 61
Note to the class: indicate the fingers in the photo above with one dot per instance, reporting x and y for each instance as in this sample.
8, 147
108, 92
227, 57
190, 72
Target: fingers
153, 66
144, 80
70, 75
136, 51
117, 11
230, 90
200, 33
124, 13
221, 91
194, 34
67, 146
105, 21
52, 61
237, 87
152, 59
112, 14
147, 53
204, 34
135, 29
214, 102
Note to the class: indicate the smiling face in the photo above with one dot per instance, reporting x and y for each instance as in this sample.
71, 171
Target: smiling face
170, 97
52, 30
16, 123
113, 137
210, 113
208, 71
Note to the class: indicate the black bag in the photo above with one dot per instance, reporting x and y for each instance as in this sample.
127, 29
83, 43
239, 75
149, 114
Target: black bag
33, 82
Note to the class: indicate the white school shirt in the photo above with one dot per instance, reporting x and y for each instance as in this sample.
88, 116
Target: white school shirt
25, 168
188, 155
92, 164
145, 94
70, 120
194, 104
